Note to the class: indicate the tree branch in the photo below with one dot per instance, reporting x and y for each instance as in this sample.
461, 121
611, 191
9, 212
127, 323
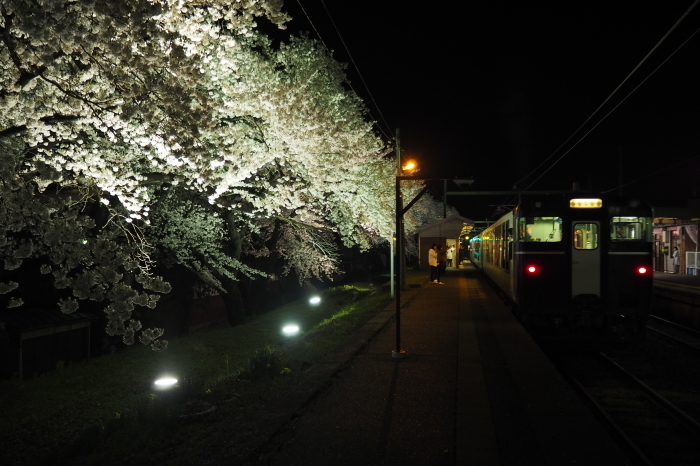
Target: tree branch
24, 75
49, 119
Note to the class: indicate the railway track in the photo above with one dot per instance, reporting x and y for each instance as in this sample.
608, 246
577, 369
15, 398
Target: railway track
685, 337
648, 396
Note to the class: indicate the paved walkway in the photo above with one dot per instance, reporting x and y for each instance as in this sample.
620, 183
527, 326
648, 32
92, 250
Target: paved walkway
473, 389
382, 410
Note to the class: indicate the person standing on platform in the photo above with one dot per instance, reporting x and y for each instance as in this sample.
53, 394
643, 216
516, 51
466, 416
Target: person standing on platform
433, 262
676, 260
442, 261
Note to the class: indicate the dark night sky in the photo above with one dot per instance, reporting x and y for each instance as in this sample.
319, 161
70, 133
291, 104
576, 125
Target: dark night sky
491, 90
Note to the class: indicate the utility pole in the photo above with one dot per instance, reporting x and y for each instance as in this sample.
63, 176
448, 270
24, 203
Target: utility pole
398, 352
393, 249
619, 170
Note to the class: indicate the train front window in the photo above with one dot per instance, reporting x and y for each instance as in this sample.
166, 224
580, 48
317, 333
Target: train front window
539, 229
586, 236
631, 228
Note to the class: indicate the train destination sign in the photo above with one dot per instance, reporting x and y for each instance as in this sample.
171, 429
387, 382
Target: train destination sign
586, 203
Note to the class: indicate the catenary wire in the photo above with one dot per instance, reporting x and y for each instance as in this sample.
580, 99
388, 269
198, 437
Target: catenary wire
389, 137
652, 174
613, 109
606, 101
616, 90
355, 65
313, 26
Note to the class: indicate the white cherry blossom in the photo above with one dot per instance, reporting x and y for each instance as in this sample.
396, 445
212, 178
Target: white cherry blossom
139, 130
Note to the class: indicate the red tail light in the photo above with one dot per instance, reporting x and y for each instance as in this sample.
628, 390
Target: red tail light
531, 269
642, 270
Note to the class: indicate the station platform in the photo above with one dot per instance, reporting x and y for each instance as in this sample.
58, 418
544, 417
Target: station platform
677, 298
662, 279
473, 389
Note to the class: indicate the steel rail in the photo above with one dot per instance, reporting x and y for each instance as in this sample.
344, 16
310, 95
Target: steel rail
691, 424
676, 340
692, 331
603, 415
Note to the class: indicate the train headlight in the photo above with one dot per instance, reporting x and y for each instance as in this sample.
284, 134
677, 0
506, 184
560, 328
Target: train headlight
531, 269
642, 270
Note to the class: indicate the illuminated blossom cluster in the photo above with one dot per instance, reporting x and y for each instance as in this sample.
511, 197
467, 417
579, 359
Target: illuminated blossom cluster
85, 266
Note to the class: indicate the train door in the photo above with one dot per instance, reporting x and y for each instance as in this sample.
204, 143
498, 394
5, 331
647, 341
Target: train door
585, 258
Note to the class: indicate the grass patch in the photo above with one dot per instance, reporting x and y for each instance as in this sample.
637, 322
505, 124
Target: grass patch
107, 411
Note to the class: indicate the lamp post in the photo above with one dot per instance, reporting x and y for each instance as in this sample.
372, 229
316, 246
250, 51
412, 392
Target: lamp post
399, 259
398, 352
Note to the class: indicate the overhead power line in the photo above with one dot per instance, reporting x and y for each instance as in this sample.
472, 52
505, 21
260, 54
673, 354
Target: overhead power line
356, 67
658, 44
649, 175
388, 136
613, 109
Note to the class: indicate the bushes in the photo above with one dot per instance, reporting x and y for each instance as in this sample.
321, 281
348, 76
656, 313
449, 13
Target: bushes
105, 411
265, 363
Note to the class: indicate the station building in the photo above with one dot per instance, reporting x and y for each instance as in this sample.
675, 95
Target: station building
677, 227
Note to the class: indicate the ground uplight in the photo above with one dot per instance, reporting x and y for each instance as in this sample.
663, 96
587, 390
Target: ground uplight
165, 382
315, 300
290, 329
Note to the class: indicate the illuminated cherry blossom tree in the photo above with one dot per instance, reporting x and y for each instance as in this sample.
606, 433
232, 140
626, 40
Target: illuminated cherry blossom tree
136, 130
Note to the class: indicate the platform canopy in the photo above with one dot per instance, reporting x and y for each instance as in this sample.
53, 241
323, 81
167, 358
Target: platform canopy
449, 227
447, 231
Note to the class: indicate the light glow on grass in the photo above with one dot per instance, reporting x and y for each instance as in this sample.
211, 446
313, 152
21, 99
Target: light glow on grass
337, 315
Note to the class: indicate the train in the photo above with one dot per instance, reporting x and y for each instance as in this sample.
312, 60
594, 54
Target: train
576, 267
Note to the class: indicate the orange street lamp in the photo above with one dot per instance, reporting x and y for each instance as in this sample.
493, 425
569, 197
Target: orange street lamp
410, 165
398, 270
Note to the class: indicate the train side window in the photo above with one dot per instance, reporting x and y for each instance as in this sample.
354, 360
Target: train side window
585, 236
631, 228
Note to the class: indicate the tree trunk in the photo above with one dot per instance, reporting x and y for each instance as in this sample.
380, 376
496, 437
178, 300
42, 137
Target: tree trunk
235, 307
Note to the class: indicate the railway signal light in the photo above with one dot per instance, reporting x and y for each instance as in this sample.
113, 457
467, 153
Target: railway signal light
642, 270
531, 268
